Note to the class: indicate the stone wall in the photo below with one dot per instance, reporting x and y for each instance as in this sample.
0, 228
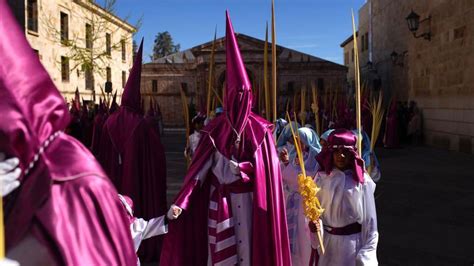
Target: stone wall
48, 45
169, 80
294, 68
437, 74
441, 77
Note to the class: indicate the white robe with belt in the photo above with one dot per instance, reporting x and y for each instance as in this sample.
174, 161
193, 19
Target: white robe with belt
346, 201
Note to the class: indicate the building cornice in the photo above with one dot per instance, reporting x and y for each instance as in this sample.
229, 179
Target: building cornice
349, 39
100, 11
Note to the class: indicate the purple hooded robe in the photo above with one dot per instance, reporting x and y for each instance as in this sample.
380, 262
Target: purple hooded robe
66, 211
248, 138
133, 157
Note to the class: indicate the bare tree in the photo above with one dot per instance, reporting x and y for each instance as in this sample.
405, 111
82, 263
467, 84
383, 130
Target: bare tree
90, 52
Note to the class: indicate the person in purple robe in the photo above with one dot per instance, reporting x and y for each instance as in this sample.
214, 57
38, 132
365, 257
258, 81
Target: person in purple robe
75, 126
114, 105
230, 209
86, 125
159, 118
391, 138
99, 121
65, 210
152, 118
134, 159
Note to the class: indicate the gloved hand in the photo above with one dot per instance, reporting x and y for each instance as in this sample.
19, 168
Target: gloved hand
234, 166
9, 174
9, 262
174, 212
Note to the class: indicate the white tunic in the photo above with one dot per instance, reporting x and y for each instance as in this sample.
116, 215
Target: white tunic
345, 202
298, 230
241, 206
194, 141
142, 229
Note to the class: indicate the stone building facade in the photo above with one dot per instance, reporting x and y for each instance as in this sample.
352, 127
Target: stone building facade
163, 78
436, 73
52, 27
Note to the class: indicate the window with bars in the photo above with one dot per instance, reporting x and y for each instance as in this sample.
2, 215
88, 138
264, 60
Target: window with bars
108, 45
88, 36
367, 41
154, 85
32, 15
290, 87
64, 69
64, 18
124, 52
320, 84
109, 73
89, 79
184, 85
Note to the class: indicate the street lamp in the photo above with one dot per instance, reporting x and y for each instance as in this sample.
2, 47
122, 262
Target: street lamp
394, 56
397, 59
413, 20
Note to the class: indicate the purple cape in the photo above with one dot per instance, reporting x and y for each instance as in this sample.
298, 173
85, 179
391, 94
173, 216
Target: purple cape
152, 118
99, 121
186, 242
86, 125
65, 204
133, 157
391, 138
242, 134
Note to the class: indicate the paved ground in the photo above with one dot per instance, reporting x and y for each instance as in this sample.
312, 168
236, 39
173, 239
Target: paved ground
425, 203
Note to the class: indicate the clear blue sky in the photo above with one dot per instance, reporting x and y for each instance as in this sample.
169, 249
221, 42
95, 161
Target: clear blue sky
316, 27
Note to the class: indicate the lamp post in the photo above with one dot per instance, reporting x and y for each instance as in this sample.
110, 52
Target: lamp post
394, 56
413, 20
397, 59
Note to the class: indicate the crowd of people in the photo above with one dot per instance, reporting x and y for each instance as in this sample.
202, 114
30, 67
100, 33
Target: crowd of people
88, 187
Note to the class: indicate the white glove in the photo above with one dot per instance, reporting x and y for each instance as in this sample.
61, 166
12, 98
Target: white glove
9, 262
174, 212
9, 174
234, 166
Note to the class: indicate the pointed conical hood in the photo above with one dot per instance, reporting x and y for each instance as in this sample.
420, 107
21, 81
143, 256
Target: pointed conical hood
84, 106
113, 106
157, 108
238, 95
151, 109
77, 99
31, 106
76, 104
131, 95
101, 108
